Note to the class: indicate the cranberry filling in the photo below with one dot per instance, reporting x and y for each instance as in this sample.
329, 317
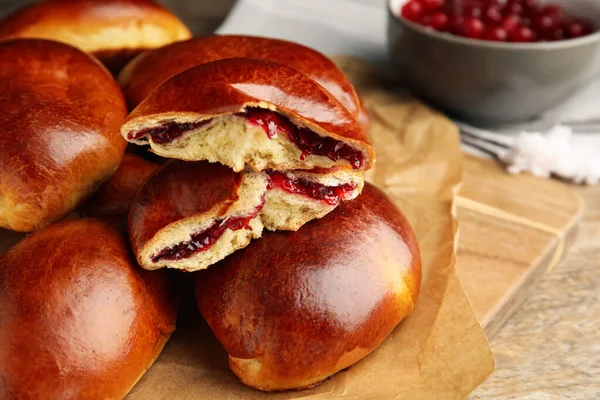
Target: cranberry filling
306, 140
202, 241
329, 194
167, 132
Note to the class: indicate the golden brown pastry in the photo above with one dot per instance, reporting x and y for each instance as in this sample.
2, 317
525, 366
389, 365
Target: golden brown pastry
115, 31
247, 113
115, 196
60, 113
189, 215
79, 319
147, 71
294, 308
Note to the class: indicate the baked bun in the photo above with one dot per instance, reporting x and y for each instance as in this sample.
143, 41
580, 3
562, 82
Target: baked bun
115, 196
60, 113
115, 31
78, 318
249, 113
147, 71
189, 215
294, 308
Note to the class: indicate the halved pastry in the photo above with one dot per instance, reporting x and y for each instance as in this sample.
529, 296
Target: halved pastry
189, 215
247, 113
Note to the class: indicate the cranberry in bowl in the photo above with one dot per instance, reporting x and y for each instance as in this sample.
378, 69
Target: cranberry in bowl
495, 61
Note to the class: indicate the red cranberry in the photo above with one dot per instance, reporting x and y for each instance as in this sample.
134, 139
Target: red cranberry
525, 21
574, 30
545, 23
555, 12
510, 23
513, 8
425, 20
431, 5
412, 10
532, 6
492, 15
556, 34
456, 25
586, 24
473, 11
439, 21
496, 34
473, 28
552, 9
522, 34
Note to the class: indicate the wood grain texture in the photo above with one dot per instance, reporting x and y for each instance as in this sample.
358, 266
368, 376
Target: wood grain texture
547, 202
514, 229
550, 349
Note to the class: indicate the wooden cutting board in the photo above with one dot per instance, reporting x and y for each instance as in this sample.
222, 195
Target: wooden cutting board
513, 230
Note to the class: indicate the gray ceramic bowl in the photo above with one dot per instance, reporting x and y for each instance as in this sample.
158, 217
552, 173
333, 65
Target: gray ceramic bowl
489, 82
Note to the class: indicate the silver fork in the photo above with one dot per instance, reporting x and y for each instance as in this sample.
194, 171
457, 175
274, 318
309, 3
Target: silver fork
495, 144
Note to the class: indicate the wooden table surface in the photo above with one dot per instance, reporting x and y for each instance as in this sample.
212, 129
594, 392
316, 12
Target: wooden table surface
551, 348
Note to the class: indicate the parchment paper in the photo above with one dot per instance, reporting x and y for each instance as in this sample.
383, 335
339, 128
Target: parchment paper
439, 351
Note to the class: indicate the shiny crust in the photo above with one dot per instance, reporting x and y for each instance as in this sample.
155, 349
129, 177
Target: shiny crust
60, 113
296, 307
115, 196
152, 68
228, 86
113, 30
174, 193
78, 318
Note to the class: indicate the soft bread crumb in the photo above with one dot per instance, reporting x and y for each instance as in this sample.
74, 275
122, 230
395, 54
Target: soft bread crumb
288, 212
251, 193
231, 141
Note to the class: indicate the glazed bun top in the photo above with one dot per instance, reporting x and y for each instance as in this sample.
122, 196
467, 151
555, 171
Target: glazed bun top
100, 27
78, 318
147, 71
60, 113
295, 307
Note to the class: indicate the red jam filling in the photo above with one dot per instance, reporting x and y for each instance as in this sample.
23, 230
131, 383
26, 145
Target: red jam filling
329, 194
306, 140
167, 132
202, 241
